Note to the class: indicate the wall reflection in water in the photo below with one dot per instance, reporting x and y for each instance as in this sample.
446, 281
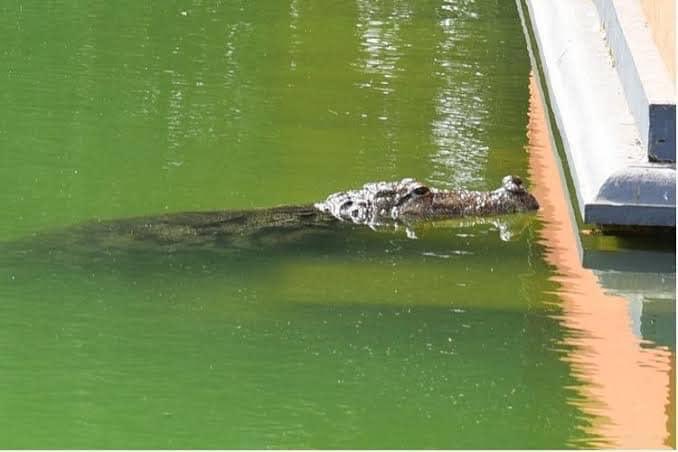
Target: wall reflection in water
626, 380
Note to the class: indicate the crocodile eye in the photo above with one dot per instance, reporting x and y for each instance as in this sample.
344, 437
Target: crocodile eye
421, 190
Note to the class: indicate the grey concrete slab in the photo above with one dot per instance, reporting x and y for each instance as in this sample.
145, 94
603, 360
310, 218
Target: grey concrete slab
643, 195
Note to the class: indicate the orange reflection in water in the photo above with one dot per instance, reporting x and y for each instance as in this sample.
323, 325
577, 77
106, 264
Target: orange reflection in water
626, 382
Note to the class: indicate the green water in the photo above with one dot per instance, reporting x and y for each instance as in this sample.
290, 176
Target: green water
363, 340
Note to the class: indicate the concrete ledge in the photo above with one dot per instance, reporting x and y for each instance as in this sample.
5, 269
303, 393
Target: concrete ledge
647, 84
637, 195
602, 143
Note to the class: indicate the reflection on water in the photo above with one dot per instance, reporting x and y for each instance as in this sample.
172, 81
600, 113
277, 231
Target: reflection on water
295, 40
625, 379
460, 103
379, 26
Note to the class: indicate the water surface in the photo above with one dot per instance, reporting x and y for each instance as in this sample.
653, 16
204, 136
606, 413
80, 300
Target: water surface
360, 340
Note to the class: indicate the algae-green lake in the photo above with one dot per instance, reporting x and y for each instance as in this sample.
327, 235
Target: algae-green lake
368, 340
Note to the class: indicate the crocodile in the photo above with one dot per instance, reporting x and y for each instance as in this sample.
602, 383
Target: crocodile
377, 205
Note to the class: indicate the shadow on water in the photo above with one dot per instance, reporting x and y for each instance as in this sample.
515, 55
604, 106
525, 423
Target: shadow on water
168, 248
285, 343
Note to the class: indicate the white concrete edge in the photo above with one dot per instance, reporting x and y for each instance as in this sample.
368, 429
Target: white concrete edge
541, 86
599, 134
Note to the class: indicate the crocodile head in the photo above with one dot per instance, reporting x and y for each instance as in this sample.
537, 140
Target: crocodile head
427, 203
409, 201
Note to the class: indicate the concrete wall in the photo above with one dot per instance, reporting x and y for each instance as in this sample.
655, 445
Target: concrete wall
648, 86
661, 18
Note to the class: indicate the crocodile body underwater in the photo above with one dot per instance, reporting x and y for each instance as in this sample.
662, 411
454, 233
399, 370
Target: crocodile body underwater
377, 205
